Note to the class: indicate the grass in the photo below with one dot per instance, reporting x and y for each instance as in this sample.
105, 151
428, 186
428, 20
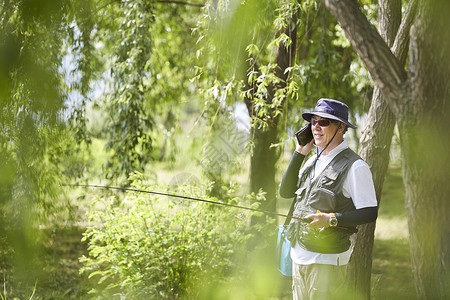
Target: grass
54, 275
392, 271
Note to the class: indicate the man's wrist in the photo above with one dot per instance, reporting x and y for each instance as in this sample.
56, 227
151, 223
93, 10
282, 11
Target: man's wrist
332, 221
297, 152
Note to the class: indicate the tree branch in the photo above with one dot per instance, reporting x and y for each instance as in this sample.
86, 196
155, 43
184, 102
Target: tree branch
387, 72
250, 86
400, 48
389, 18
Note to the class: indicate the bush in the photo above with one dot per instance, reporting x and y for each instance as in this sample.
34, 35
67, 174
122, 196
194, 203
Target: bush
147, 247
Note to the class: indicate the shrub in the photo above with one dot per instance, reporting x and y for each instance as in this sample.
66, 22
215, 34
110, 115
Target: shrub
146, 246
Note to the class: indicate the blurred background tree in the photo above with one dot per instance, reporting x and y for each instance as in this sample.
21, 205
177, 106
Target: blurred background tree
34, 137
60, 61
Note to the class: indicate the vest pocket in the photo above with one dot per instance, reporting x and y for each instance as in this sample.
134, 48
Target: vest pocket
323, 200
331, 240
329, 178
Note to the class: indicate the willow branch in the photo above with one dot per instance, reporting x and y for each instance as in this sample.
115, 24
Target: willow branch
181, 2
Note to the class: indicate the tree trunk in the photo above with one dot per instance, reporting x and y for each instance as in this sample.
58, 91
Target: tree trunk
375, 146
262, 165
420, 101
425, 142
264, 157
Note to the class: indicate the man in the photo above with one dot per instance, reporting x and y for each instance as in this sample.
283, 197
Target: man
334, 192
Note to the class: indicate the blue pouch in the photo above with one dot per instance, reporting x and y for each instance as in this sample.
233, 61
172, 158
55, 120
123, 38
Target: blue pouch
284, 260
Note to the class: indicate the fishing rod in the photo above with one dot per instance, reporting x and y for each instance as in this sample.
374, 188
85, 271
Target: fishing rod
307, 220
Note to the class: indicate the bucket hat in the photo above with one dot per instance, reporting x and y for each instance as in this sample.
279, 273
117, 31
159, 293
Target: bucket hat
331, 109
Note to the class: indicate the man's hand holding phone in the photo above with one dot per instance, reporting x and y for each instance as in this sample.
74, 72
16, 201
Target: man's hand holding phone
304, 150
305, 140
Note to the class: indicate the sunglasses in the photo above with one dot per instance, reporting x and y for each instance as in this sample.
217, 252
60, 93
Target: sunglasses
321, 122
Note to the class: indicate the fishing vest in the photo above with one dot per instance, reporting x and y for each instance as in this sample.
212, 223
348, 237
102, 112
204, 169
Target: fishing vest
324, 194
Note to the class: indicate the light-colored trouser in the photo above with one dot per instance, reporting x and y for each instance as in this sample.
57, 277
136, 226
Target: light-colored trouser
317, 281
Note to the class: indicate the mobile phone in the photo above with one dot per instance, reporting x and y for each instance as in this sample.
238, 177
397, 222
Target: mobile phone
304, 135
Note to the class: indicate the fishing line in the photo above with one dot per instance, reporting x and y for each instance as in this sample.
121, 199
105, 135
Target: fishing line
184, 197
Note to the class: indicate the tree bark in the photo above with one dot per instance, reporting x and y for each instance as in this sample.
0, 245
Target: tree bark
262, 165
375, 145
420, 102
376, 141
425, 141
387, 72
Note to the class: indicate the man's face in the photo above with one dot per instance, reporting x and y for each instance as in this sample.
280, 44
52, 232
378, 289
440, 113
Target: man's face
323, 134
